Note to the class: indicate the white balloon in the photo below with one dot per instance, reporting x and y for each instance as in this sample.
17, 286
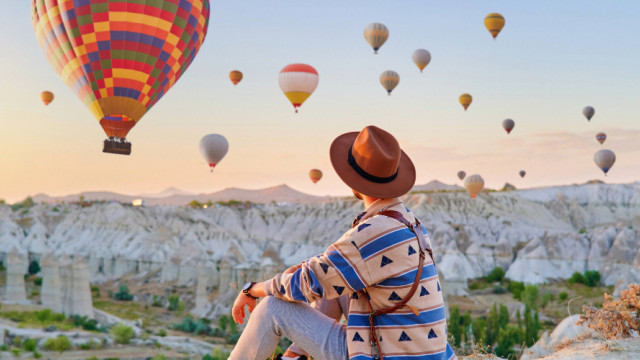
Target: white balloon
588, 112
421, 58
213, 148
604, 159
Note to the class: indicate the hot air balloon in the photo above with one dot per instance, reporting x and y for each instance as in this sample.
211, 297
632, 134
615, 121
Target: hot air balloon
508, 125
604, 159
376, 34
235, 76
120, 57
461, 175
315, 175
494, 22
298, 81
588, 112
213, 148
601, 137
389, 80
473, 184
46, 97
421, 58
522, 173
465, 100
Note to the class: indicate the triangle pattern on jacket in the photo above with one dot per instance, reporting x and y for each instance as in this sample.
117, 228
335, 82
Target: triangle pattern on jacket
385, 261
411, 250
357, 337
339, 289
394, 297
432, 334
424, 291
324, 267
404, 337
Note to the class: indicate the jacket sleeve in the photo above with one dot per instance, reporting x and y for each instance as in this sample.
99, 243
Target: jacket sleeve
339, 270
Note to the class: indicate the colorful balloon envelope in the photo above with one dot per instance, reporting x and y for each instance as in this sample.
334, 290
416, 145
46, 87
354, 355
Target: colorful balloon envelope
588, 112
376, 34
522, 173
465, 100
315, 175
389, 80
604, 159
297, 82
601, 137
421, 58
235, 76
120, 57
461, 175
474, 184
494, 22
213, 148
508, 125
46, 97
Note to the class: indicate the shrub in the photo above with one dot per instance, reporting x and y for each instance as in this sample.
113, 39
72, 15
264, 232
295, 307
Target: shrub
530, 296
159, 357
37, 355
58, 317
617, 318
16, 351
37, 281
123, 294
563, 296
157, 301
122, 333
591, 278
95, 291
34, 267
29, 344
4, 347
499, 290
61, 343
576, 278
496, 274
516, 288
174, 300
43, 315
84, 322
162, 333
546, 297
181, 306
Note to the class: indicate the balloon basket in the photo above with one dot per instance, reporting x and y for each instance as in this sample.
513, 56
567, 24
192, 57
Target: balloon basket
113, 146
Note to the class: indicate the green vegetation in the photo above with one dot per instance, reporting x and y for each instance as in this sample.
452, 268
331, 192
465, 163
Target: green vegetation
122, 333
162, 333
123, 294
34, 267
35, 319
530, 296
157, 301
174, 301
497, 274
563, 296
218, 354
159, 357
37, 281
516, 288
61, 343
29, 345
189, 325
25, 204
37, 355
591, 278
95, 291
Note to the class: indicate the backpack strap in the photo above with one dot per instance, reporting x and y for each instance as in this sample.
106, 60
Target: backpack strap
423, 246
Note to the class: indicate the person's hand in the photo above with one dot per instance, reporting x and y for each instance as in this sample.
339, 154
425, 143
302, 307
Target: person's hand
238, 307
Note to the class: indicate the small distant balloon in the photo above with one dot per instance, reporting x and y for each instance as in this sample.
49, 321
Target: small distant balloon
315, 175
461, 175
604, 159
522, 173
601, 137
588, 112
298, 82
213, 148
494, 22
465, 100
46, 97
508, 125
421, 58
474, 184
235, 76
376, 34
389, 80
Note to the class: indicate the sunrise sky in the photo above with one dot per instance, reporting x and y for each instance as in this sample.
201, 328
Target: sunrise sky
551, 59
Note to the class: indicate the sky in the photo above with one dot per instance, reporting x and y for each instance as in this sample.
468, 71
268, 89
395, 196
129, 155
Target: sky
551, 59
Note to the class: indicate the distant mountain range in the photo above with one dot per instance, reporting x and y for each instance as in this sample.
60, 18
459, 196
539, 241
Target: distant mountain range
174, 196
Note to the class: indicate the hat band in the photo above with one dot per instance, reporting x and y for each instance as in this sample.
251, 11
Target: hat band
366, 175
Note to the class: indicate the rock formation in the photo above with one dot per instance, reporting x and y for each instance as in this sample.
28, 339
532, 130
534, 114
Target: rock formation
202, 295
80, 299
15, 290
66, 277
51, 294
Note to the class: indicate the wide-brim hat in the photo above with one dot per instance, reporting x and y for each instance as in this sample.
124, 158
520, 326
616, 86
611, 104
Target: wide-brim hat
372, 163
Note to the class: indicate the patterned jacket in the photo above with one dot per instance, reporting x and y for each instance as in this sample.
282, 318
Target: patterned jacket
381, 255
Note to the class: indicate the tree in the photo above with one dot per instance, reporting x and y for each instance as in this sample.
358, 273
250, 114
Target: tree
530, 296
454, 326
222, 322
532, 326
503, 317
174, 301
493, 325
508, 337
591, 278
466, 326
123, 293
34, 267
496, 274
122, 333
516, 288
479, 330
576, 278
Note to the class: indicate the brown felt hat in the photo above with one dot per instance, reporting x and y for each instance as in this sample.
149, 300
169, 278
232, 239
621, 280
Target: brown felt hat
372, 163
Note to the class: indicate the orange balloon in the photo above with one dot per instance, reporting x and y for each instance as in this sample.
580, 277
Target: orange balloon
235, 76
46, 97
315, 175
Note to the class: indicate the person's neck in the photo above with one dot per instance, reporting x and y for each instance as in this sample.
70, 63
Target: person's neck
368, 200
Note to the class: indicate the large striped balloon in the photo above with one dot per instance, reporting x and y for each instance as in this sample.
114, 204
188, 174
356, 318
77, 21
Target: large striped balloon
120, 56
298, 81
376, 34
389, 80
